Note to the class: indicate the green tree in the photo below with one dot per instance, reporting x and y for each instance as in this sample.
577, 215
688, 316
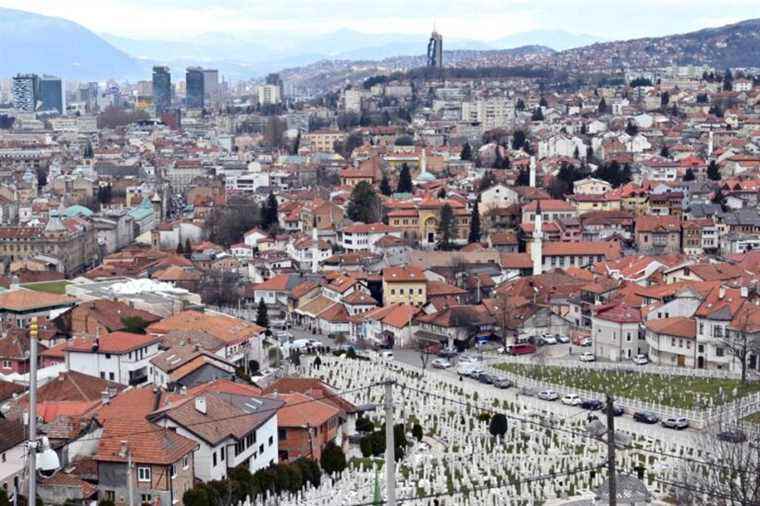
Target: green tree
196, 496
689, 175
713, 172
417, 431
523, 178
333, 460
632, 129
487, 181
665, 151
405, 180
446, 228
466, 153
728, 81
134, 324
538, 114
364, 204
543, 102
520, 105
475, 223
518, 139
188, 248
89, 153
310, 471
262, 314
602, 107
4, 498
270, 212
385, 186
498, 425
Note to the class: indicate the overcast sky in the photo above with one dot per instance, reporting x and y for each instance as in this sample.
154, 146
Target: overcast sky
472, 19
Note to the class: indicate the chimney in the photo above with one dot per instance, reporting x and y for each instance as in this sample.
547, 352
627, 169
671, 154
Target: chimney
105, 398
200, 404
721, 292
744, 292
123, 450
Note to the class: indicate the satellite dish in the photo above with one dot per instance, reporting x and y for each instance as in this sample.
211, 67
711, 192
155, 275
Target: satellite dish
47, 460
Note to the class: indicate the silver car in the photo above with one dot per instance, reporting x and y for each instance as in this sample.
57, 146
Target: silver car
548, 395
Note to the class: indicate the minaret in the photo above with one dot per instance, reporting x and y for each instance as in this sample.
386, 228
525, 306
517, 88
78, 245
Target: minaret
537, 243
532, 171
314, 249
710, 145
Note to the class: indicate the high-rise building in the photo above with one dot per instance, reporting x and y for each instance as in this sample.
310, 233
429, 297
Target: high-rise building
268, 94
211, 84
26, 88
275, 80
51, 94
435, 50
162, 89
194, 87
88, 93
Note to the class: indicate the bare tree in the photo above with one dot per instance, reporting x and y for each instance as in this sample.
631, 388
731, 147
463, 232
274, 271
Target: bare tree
742, 337
726, 472
503, 310
424, 347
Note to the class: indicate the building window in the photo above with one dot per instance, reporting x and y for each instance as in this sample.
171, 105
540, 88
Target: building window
143, 473
173, 470
186, 462
213, 459
282, 434
7, 364
146, 498
271, 440
718, 352
108, 356
111, 376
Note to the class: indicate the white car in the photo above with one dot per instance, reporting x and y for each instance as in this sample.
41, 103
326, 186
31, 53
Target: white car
549, 340
587, 357
641, 359
388, 354
467, 360
571, 400
548, 395
441, 363
469, 370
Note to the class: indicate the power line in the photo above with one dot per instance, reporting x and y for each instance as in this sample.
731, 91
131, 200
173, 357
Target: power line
232, 417
547, 476
709, 492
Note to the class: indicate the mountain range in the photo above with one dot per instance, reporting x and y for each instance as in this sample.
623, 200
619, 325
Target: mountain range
35, 43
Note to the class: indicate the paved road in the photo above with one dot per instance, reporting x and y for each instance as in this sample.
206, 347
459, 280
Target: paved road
626, 423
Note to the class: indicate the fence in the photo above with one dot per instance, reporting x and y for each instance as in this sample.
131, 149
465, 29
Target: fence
698, 418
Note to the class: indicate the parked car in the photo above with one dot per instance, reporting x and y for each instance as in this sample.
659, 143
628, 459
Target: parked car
485, 378
549, 340
587, 356
617, 410
641, 359
521, 349
447, 353
528, 391
592, 404
501, 382
387, 354
675, 422
440, 363
646, 417
732, 436
563, 339
467, 359
469, 370
571, 399
548, 395
586, 341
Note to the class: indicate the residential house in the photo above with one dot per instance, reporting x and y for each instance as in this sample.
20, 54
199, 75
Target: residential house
122, 357
404, 285
658, 235
616, 334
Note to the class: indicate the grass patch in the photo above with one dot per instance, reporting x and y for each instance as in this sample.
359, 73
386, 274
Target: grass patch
675, 391
58, 287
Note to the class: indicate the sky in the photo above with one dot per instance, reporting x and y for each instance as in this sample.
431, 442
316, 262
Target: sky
467, 19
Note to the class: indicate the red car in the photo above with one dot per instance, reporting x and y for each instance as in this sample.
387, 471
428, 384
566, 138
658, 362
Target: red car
521, 349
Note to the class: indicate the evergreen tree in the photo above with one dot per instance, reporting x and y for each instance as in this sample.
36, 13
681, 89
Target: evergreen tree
466, 154
632, 129
520, 105
446, 228
538, 114
602, 108
270, 212
385, 186
498, 425
179, 250
689, 175
405, 180
262, 314
665, 151
486, 181
365, 204
442, 193
89, 153
475, 223
188, 248
543, 102
664, 99
713, 172
333, 460
728, 81
518, 139
523, 178
625, 175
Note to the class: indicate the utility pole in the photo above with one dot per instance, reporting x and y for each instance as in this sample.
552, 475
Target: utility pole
32, 499
130, 491
390, 447
611, 450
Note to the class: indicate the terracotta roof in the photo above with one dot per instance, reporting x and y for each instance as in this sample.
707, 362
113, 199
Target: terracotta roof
124, 419
440, 288
619, 313
11, 433
221, 326
111, 313
301, 410
608, 249
516, 261
21, 299
403, 274
359, 298
226, 386
679, 326
227, 414
8, 390
336, 313
114, 342
658, 224
314, 387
